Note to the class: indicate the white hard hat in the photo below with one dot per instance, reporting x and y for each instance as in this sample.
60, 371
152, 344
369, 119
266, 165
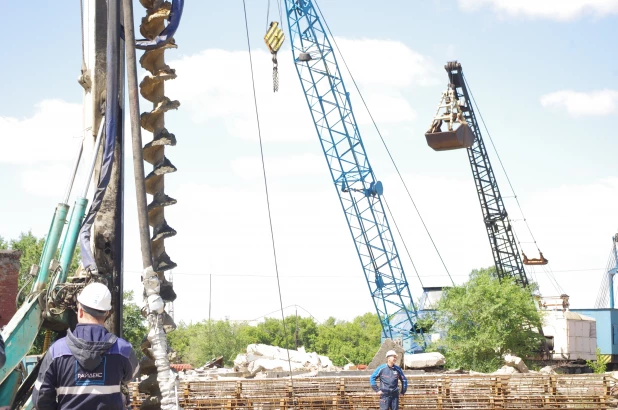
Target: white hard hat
391, 353
95, 296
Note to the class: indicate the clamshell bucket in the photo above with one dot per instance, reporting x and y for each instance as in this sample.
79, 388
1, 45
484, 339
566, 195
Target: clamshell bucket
462, 137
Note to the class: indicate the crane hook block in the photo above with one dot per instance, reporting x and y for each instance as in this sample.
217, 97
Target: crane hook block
274, 37
535, 261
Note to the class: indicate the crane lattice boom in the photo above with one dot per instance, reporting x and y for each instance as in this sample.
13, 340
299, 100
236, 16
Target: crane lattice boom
358, 189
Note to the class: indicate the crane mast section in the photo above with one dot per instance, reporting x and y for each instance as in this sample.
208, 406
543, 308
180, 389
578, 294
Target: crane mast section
358, 190
499, 231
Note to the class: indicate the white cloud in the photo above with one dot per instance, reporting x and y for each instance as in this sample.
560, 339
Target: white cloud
215, 86
385, 63
574, 224
46, 136
560, 10
225, 232
580, 104
250, 168
46, 180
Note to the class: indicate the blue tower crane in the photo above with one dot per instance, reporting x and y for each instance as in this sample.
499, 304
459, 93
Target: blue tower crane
357, 187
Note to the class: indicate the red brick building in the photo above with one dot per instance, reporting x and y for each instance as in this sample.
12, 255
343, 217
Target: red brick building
9, 275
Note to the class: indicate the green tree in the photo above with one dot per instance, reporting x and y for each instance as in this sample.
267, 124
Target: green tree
31, 249
201, 342
486, 318
299, 331
600, 364
133, 325
355, 341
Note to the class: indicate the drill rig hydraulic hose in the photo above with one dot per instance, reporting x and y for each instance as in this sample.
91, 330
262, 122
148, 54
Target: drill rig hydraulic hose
111, 128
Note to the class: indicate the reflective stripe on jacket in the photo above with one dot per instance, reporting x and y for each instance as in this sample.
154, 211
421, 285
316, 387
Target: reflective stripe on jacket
84, 370
389, 380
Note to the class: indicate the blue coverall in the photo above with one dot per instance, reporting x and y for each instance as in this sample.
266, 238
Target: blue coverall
389, 385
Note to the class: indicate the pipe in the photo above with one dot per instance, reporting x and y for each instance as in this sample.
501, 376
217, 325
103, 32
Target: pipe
72, 178
111, 129
51, 245
95, 153
611, 288
77, 215
70, 240
136, 133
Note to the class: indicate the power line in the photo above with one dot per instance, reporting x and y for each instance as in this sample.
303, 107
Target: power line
270, 220
244, 275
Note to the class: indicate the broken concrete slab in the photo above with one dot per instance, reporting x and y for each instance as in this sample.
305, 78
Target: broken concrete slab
263, 359
423, 360
505, 370
547, 370
516, 362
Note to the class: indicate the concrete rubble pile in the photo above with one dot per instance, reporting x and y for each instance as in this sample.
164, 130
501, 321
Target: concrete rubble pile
515, 365
261, 358
204, 373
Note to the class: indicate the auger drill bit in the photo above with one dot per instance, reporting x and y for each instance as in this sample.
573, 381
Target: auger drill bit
155, 364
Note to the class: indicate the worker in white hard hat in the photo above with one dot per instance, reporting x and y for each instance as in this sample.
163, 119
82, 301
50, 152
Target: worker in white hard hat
85, 369
389, 375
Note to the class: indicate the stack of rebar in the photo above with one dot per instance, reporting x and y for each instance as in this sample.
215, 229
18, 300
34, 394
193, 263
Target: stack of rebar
444, 392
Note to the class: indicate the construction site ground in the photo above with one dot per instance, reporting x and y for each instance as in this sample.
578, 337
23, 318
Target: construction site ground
434, 391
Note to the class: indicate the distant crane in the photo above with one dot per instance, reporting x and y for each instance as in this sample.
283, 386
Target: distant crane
357, 187
457, 110
607, 284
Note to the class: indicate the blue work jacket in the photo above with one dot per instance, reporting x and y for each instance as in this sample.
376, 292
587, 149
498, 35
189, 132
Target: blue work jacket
84, 370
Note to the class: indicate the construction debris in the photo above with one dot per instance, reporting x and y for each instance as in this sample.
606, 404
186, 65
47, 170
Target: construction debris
203, 373
516, 362
261, 358
423, 360
217, 362
548, 370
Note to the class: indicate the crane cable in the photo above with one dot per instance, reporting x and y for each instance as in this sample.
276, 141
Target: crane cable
547, 270
268, 13
385, 146
404, 243
602, 299
499, 160
270, 221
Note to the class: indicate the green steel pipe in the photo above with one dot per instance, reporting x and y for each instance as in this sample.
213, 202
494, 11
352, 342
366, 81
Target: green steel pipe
63, 238
51, 245
70, 239
46, 243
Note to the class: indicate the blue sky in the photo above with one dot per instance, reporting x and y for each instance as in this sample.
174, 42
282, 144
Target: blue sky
543, 74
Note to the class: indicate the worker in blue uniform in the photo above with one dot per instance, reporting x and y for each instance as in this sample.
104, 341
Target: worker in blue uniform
85, 369
389, 375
